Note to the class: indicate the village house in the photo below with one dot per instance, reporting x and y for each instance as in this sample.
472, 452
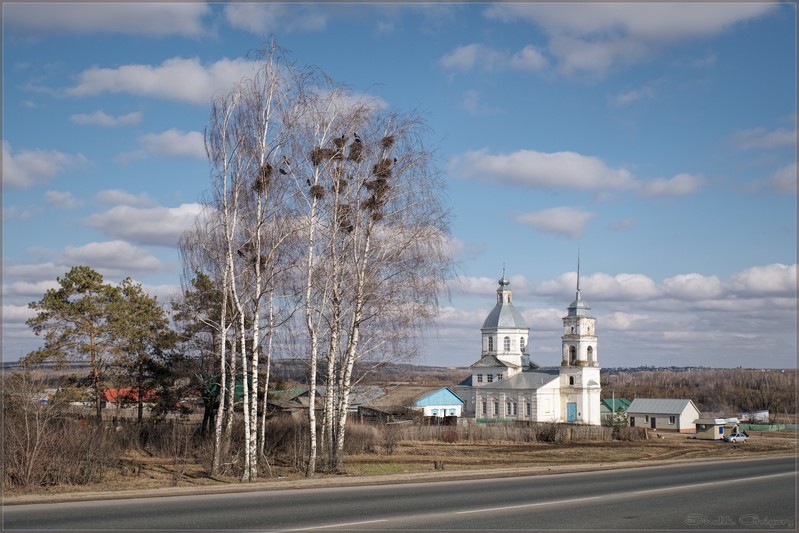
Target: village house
664, 414
407, 401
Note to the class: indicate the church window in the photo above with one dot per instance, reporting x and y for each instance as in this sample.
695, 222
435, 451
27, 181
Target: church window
511, 409
572, 355
572, 329
571, 380
485, 408
590, 353
507, 344
479, 378
496, 408
521, 344
490, 378
490, 344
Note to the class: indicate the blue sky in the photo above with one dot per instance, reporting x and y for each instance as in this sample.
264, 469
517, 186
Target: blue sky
660, 139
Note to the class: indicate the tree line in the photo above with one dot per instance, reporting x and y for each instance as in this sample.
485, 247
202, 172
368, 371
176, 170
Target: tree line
324, 237
722, 391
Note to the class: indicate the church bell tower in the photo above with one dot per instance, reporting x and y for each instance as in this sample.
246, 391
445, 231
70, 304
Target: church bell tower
579, 366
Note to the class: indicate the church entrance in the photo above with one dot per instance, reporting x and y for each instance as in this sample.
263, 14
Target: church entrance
571, 412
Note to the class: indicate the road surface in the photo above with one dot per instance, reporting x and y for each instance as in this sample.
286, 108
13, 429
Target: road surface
744, 494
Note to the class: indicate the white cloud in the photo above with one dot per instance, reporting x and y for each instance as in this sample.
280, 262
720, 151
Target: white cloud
472, 285
15, 212
175, 142
63, 199
120, 197
770, 280
29, 288
564, 221
529, 58
158, 226
623, 224
185, 80
264, 18
784, 180
763, 138
32, 167
473, 56
472, 103
17, 313
644, 93
113, 257
680, 185
151, 19
101, 118
621, 321
595, 37
692, 287
539, 169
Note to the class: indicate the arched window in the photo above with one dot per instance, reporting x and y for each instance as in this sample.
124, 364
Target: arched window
572, 329
490, 344
572, 355
571, 380
590, 353
507, 344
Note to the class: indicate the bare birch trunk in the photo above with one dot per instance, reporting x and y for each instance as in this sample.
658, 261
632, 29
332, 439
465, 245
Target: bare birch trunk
222, 378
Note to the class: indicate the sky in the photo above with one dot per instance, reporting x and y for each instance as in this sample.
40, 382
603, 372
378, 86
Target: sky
655, 140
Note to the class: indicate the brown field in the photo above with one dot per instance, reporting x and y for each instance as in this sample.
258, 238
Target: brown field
414, 461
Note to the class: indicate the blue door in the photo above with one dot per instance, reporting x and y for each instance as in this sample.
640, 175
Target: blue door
571, 412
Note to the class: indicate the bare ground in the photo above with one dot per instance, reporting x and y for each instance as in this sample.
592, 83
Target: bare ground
140, 475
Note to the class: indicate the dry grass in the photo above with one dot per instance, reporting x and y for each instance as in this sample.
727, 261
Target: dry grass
140, 471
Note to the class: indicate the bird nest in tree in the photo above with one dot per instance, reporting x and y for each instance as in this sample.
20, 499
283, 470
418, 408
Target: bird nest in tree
356, 151
320, 155
344, 216
387, 142
382, 168
263, 178
379, 186
317, 192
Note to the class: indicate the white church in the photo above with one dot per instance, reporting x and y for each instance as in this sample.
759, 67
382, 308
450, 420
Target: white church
507, 385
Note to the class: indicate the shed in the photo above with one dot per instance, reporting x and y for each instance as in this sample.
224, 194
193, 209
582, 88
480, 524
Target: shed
664, 414
710, 428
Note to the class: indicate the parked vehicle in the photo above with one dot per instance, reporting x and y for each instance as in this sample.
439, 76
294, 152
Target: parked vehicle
736, 437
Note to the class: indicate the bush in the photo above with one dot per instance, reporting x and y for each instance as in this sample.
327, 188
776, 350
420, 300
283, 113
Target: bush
360, 438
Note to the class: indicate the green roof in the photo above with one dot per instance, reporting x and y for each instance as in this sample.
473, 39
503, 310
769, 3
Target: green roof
608, 404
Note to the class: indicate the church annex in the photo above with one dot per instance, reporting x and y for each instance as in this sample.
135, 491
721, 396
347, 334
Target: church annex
507, 385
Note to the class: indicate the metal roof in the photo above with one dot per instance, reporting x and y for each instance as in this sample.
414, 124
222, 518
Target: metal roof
504, 315
492, 361
660, 406
524, 380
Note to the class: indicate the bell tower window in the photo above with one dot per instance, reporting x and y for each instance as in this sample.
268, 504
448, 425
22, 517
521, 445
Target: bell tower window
572, 355
490, 344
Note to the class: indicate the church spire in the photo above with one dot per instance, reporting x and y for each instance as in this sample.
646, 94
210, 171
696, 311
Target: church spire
578, 272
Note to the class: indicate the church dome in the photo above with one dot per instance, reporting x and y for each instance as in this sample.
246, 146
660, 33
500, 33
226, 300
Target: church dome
578, 307
504, 315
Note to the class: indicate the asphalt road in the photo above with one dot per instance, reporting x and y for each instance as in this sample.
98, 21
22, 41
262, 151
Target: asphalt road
743, 494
